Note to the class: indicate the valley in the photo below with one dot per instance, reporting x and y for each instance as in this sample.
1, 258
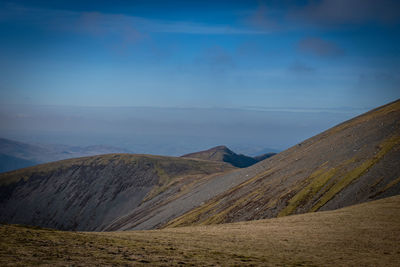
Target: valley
330, 200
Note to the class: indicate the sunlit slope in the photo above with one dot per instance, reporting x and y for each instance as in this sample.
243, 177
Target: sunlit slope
354, 162
363, 235
89, 193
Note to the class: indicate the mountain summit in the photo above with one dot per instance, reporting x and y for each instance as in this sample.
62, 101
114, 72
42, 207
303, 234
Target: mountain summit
224, 154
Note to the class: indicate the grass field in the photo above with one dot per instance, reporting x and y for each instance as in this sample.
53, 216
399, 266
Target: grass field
362, 235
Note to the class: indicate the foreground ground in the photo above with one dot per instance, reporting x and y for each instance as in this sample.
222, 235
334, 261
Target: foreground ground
362, 235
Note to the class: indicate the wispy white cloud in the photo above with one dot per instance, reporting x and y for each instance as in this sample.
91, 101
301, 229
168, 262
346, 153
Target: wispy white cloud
99, 23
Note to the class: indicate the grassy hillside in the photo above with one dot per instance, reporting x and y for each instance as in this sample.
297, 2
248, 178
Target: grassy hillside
89, 193
361, 235
351, 163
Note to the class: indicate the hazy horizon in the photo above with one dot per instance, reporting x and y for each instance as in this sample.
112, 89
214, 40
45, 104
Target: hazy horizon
168, 131
172, 77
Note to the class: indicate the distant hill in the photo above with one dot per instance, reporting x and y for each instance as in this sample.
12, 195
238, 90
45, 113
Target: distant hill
9, 163
25, 151
15, 155
89, 193
224, 154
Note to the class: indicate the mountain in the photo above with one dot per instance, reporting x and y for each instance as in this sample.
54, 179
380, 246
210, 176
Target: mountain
353, 162
224, 154
89, 193
367, 234
15, 155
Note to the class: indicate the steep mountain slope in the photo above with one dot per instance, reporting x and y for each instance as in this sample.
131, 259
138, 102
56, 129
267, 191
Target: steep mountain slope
17, 155
363, 235
224, 154
89, 193
351, 163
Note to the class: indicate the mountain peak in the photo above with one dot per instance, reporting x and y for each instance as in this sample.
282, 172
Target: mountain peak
224, 154
218, 149
221, 147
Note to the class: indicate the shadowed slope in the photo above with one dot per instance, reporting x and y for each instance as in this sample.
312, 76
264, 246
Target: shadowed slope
354, 162
361, 235
88, 193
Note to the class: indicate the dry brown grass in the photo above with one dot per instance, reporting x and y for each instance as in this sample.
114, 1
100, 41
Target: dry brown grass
362, 235
163, 164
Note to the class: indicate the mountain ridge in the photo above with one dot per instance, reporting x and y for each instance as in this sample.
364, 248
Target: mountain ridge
353, 162
93, 191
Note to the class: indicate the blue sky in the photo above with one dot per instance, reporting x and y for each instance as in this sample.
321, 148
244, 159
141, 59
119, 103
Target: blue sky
247, 74
200, 53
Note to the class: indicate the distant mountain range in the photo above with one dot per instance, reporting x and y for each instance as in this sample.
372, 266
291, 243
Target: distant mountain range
9, 163
15, 155
354, 162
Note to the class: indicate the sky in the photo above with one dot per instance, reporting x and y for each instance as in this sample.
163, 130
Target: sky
319, 55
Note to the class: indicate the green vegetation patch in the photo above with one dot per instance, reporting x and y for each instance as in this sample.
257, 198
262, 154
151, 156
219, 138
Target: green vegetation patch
208, 214
391, 184
388, 186
357, 172
317, 180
